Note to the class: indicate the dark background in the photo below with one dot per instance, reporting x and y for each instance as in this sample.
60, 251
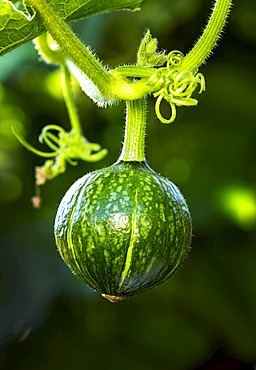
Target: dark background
204, 317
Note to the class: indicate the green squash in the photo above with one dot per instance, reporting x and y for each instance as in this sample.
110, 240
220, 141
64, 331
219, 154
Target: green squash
123, 229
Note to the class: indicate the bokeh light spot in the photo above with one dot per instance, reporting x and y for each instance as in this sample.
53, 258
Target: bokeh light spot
239, 203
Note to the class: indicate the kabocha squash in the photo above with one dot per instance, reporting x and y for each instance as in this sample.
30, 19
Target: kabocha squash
123, 229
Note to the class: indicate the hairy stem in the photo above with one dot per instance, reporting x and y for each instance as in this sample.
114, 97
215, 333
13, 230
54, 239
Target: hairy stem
70, 101
134, 140
113, 85
109, 85
69, 43
204, 46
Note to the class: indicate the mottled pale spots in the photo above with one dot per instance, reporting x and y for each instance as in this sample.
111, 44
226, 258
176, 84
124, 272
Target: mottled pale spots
133, 232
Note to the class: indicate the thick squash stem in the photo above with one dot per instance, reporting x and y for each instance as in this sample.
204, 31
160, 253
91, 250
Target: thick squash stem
134, 140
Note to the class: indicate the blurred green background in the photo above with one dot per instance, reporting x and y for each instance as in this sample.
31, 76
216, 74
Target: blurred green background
204, 317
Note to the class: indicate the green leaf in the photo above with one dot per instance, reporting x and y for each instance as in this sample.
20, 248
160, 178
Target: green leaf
19, 24
142, 52
147, 54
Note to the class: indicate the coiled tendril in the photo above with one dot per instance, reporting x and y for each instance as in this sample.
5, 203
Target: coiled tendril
177, 85
66, 147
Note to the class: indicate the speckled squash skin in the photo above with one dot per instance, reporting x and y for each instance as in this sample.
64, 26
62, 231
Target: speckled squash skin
123, 229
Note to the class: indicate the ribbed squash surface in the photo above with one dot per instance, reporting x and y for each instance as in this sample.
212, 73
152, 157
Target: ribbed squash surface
123, 229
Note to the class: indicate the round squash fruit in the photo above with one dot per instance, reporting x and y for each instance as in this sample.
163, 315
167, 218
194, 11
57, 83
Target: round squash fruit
123, 229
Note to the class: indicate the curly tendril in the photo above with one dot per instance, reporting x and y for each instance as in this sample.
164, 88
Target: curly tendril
177, 86
174, 58
66, 147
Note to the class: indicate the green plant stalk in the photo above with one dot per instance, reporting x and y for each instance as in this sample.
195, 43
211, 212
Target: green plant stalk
49, 55
134, 139
108, 85
69, 43
206, 43
70, 101
117, 87
133, 71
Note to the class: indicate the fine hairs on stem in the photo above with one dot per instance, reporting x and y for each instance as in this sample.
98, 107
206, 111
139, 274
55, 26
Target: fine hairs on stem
208, 40
106, 82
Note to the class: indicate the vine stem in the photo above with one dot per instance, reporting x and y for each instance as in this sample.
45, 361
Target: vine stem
134, 139
206, 43
114, 86
108, 85
69, 43
70, 101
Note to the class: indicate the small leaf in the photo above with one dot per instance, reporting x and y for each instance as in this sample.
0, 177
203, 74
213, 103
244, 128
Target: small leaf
148, 54
151, 47
18, 23
142, 52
